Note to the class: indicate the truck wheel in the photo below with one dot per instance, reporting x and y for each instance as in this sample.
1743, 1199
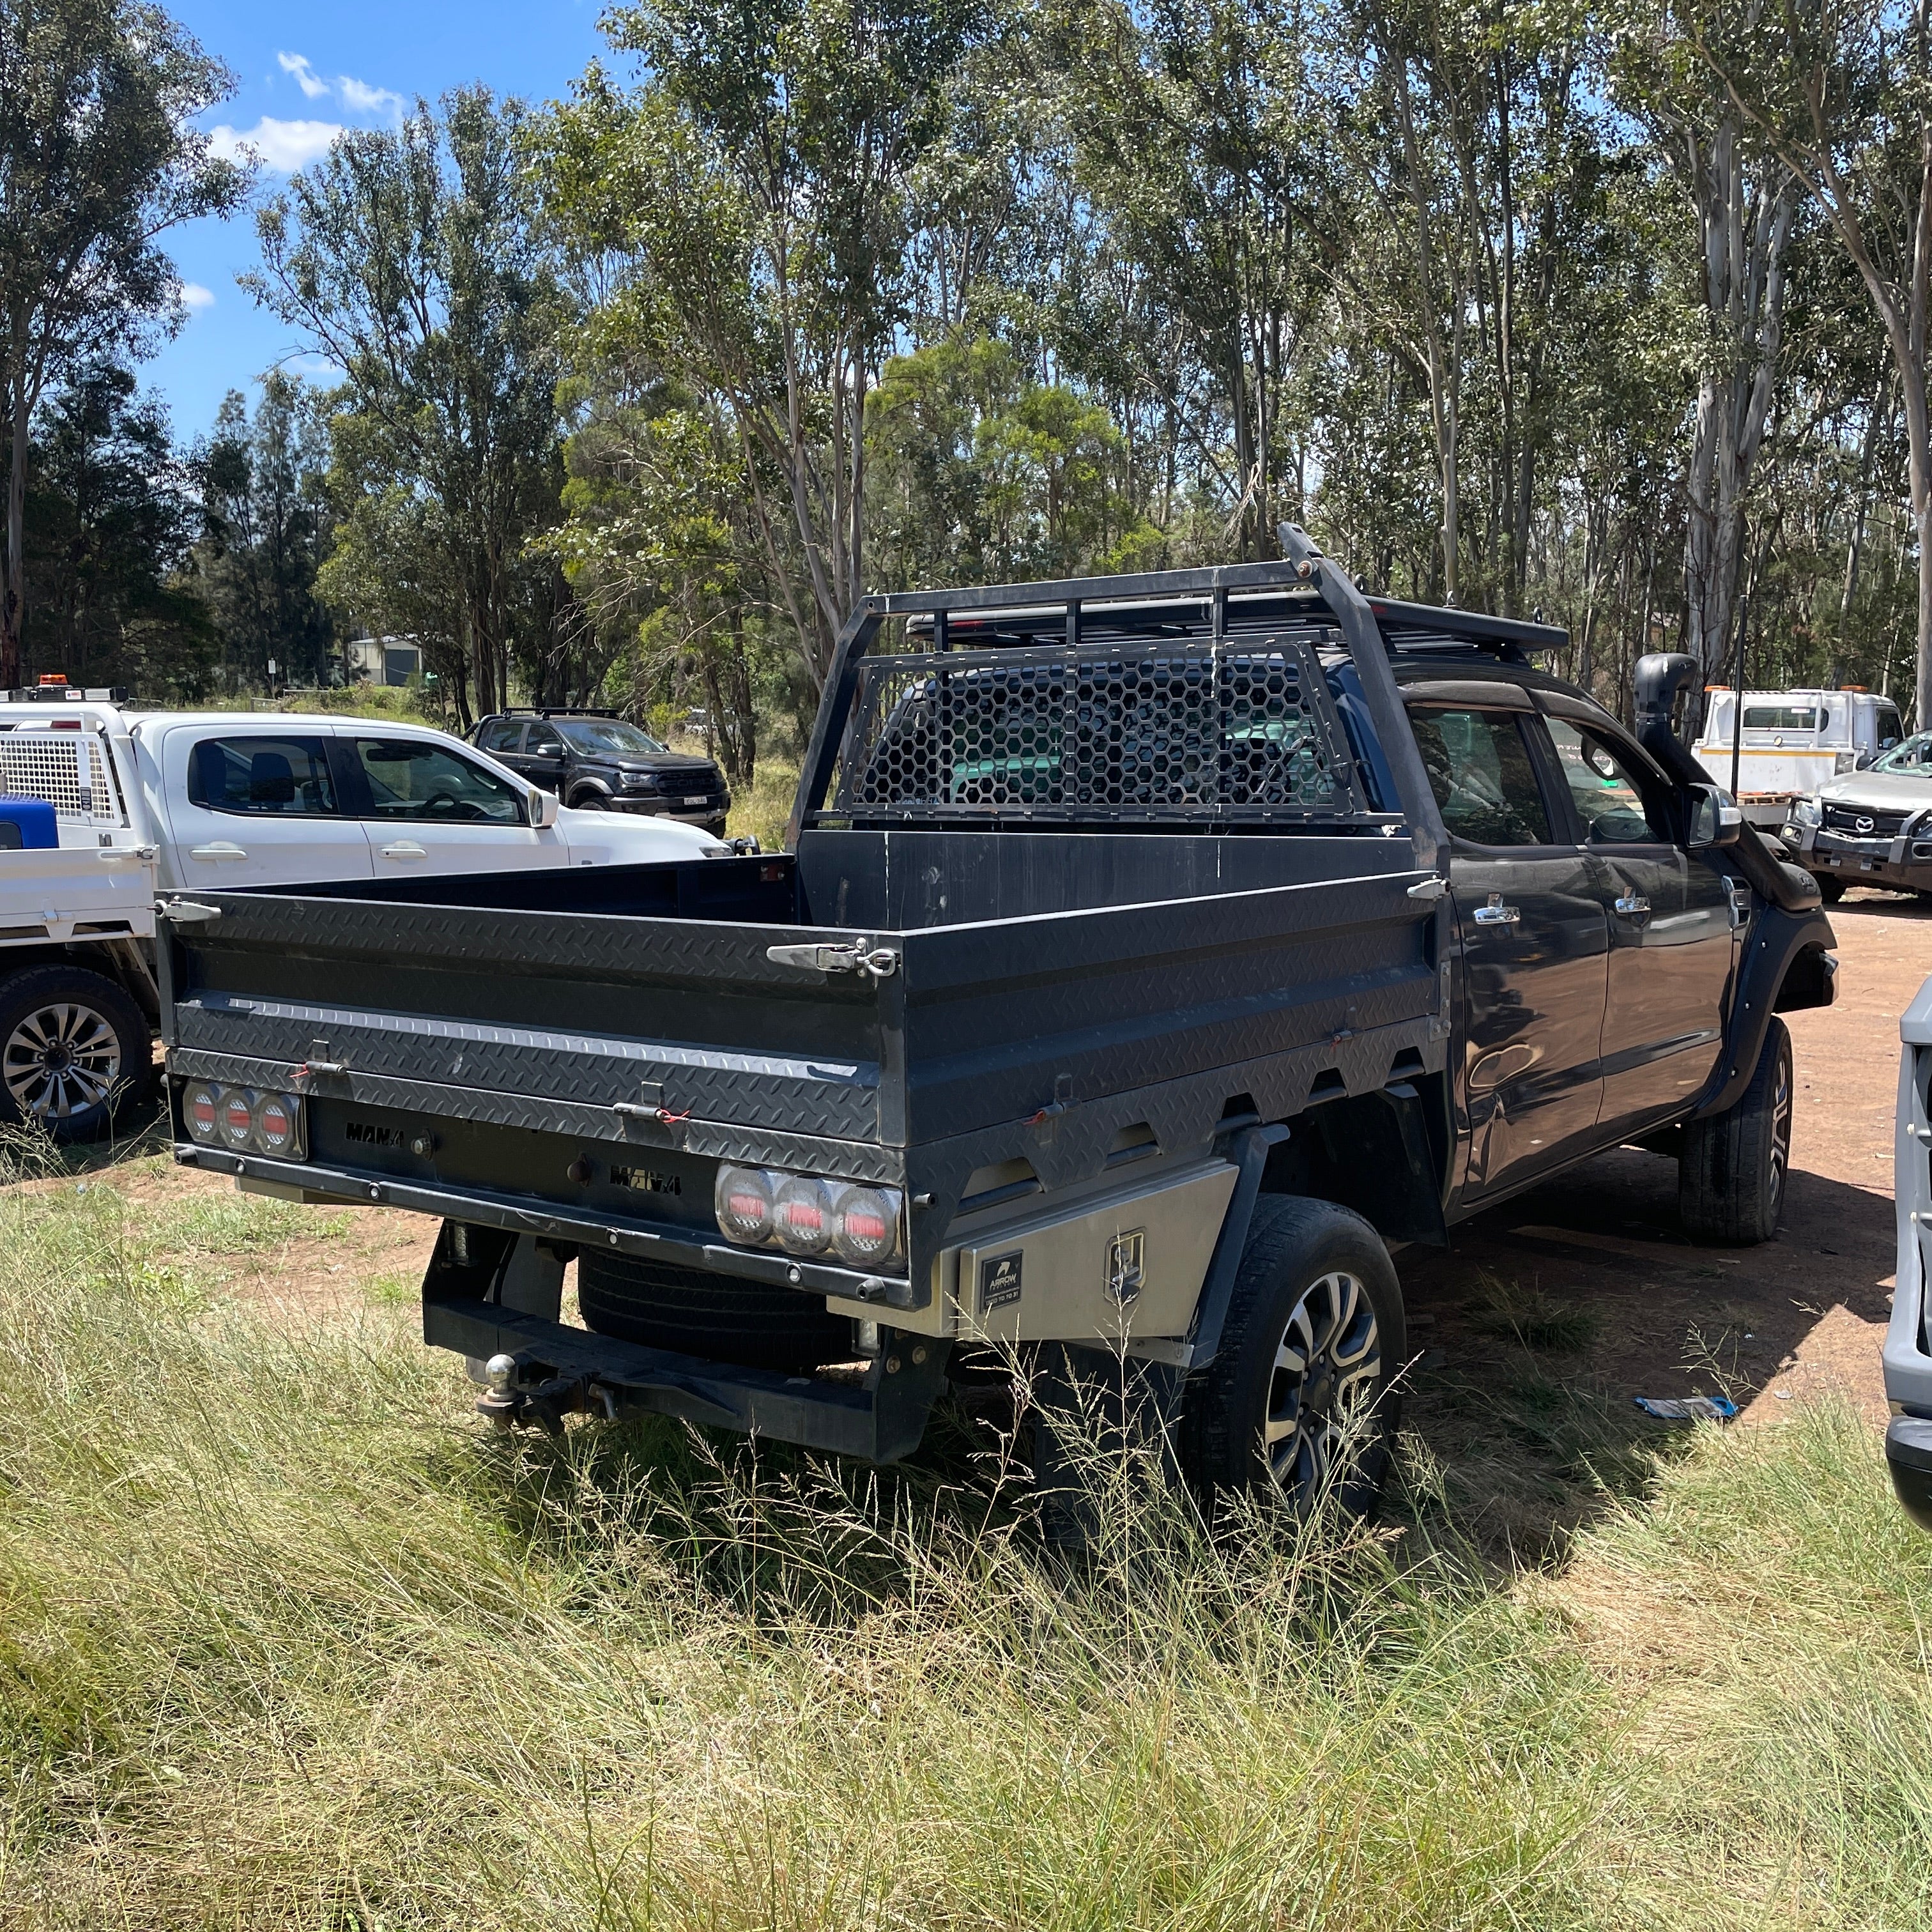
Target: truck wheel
1830, 887
753, 1324
1302, 1396
74, 1052
1731, 1173
589, 801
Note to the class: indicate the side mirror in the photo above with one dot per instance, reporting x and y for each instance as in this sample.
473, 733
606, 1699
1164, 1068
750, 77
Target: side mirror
1715, 822
544, 806
1864, 761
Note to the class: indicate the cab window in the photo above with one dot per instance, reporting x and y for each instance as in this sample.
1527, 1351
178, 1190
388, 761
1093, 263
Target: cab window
282, 777
544, 743
1484, 779
500, 737
1608, 791
412, 778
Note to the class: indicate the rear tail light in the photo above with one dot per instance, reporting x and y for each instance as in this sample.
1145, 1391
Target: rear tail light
805, 1217
743, 1199
201, 1109
804, 1212
243, 1120
864, 1225
238, 1116
275, 1124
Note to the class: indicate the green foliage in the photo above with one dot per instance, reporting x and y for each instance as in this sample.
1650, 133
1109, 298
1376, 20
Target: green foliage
411, 259
99, 156
109, 520
268, 527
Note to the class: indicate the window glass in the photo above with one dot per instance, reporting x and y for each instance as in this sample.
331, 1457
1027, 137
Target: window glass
411, 778
1890, 730
1780, 717
1608, 796
502, 736
609, 734
1481, 771
1914, 755
543, 743
286, 778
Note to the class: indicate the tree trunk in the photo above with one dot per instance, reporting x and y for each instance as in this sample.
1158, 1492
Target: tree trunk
13, 589
1746, 227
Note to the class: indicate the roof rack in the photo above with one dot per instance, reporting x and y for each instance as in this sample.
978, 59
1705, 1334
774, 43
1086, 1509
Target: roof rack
554, 711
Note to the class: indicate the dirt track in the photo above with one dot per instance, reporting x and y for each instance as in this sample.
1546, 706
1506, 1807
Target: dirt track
1553, 1311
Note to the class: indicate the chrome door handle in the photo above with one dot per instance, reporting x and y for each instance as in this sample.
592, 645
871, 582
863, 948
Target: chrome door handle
404, 848
1634, 905
1496, 914
220, 849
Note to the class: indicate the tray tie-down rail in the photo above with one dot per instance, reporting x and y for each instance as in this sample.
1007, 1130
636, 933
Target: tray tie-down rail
494, 1297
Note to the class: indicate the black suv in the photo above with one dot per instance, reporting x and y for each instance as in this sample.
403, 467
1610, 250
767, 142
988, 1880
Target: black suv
596, 761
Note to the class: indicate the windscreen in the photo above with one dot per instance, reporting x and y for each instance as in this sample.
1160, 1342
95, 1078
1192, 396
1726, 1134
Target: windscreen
610, 736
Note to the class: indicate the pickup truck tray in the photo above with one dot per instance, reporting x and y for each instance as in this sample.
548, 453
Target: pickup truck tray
682, 1005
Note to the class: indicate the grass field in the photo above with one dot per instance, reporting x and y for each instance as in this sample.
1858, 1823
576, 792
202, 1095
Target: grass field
288, 1638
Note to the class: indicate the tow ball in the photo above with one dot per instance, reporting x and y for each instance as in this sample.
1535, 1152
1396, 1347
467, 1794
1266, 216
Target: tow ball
541, 1404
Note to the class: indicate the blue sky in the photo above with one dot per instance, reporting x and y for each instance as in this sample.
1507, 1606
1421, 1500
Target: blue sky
356, 63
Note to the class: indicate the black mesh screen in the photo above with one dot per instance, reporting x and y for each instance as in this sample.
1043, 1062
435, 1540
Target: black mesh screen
1151, 730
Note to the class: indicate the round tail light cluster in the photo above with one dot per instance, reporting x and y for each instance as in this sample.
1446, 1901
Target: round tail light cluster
243, 1119
807, 1217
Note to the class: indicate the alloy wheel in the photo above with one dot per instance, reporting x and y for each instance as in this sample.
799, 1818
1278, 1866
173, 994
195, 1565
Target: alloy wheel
60, 1060
1328, 1365
1780, 1129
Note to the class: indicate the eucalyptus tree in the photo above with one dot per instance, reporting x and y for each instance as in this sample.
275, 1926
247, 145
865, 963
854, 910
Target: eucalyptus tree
747, 204
1842, 95
411, 259
99, 158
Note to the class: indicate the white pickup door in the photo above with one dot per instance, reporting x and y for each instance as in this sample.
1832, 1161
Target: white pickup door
252, 805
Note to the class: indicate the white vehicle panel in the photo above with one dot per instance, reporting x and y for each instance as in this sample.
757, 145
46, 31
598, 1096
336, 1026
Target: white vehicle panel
280, 824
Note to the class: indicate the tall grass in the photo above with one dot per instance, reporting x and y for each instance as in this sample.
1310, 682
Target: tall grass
288, 1638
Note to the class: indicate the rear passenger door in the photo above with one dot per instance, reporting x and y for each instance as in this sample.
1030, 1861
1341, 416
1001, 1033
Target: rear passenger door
1673, 947
255, 808
1532, 934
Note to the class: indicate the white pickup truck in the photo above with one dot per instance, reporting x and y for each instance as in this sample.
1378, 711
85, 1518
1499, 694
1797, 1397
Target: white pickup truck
1788, 743
100, 806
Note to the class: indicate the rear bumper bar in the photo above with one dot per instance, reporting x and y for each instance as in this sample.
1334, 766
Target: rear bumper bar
878, 1419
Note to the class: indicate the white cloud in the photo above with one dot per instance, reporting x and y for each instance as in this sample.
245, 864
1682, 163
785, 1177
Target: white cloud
361, 98
195, 296
283, 145
311, 83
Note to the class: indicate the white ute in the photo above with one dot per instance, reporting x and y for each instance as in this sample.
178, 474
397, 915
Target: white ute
210, 800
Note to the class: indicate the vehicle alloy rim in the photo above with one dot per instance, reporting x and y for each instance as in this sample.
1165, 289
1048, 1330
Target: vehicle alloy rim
1327, 1366
1780, 1126
61, 1060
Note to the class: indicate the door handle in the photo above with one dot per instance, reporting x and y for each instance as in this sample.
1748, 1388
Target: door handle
404, 848
221, 849
1634, 905
1496, 914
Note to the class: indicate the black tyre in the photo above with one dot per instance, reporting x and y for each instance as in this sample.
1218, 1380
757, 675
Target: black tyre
693, 1312
1731, 1173
75, 1052
590, 801
1303, 1395
1830, 887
